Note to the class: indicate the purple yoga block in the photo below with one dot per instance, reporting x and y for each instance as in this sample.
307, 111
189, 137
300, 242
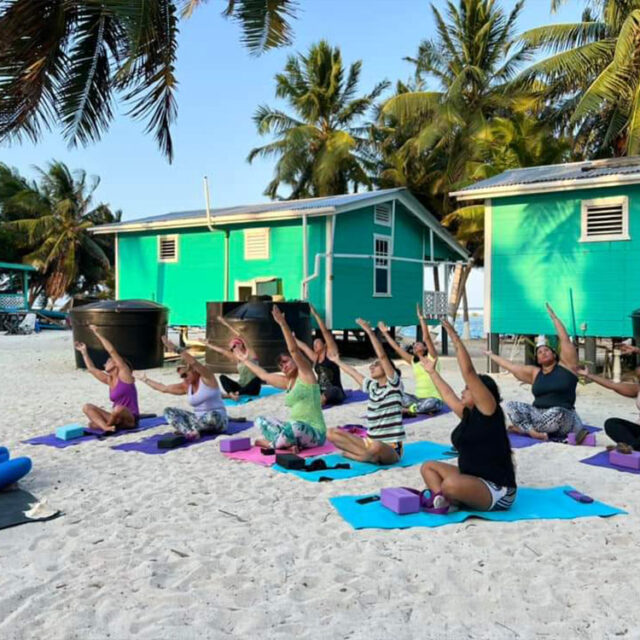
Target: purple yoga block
400, 500
589, 441
629, 460
235, 444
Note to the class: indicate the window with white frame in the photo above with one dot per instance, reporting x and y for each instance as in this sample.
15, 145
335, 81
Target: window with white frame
382, 266
167, 248
256, 244
383, 214
605, 219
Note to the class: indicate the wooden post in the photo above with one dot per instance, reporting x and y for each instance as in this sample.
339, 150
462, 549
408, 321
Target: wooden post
530, 349
493, 344
419, 336
345, 338
590, 353
445, 343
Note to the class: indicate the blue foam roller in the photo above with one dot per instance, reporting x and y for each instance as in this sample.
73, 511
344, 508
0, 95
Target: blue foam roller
4, 454
12, 470
70, 431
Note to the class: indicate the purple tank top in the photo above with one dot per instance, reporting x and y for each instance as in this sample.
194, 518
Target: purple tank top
125, 394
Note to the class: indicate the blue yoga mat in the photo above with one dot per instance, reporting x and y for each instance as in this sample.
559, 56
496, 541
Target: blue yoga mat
414, 453
530, 504
265, 391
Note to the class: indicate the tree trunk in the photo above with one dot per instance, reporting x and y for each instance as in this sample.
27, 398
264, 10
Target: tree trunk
462, 289
466, 325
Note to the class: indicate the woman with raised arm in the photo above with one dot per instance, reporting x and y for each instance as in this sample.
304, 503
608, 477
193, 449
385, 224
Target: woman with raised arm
553, 384
623, 432
248, 384
426, 398
485, 477
209, 414
385, 432
117, 374
305, 428
328, 372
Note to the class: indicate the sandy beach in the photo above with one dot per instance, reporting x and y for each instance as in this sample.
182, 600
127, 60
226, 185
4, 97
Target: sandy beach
192, 545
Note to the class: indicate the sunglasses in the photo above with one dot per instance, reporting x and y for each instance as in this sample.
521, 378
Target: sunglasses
183, 375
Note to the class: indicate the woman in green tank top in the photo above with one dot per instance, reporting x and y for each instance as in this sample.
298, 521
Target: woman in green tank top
427, 398
305, 427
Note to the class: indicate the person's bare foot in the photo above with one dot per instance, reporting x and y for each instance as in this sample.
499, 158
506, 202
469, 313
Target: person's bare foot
513, 429
538, 435
110, 428
235, 396
192, 435
260, 442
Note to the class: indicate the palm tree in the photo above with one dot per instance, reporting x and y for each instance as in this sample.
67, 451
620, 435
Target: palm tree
321, 150
68, 61
51, 219
594, 74
470, 61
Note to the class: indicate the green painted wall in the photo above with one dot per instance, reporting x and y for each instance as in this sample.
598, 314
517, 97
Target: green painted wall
536, 257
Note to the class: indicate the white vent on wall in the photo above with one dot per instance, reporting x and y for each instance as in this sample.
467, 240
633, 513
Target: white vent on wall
382, 214
256, 244
605, 219
167, 248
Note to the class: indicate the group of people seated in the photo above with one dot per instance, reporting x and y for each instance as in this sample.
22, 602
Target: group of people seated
484, 478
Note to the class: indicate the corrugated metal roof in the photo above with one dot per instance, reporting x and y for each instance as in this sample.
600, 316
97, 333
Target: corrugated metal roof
569, 172
266, 207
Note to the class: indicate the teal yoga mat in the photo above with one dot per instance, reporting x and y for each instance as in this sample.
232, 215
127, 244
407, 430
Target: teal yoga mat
264, 392
530, 504
414, 453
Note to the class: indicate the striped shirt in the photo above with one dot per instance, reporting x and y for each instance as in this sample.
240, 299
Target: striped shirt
384, 410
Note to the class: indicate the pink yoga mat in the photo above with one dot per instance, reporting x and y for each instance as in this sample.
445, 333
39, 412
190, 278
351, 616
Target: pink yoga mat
257, 457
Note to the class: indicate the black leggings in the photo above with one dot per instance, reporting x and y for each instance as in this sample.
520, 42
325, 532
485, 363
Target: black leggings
231, 386
620, 430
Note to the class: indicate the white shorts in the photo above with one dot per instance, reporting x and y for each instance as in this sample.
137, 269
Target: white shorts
501, 497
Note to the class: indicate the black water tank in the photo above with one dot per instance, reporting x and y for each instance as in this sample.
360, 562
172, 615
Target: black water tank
253, 319
134, 327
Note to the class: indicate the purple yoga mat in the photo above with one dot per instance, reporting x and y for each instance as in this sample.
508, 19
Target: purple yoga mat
602, 460
423, 416
50, 439
518, 441
150, 445
353, 395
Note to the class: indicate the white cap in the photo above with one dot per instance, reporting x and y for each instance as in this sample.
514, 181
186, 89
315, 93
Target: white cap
541, 341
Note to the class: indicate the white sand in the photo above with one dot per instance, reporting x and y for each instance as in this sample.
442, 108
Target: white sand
146, 550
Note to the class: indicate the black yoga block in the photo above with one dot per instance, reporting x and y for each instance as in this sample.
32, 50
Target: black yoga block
290, 461
171, 442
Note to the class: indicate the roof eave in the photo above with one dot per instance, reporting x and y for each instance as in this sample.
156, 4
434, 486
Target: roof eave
546, 187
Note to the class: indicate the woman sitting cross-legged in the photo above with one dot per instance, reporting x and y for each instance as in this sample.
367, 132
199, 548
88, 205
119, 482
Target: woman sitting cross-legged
426, 398
553, 384
248, 383
385, 432
485, 477
624, 433
123, 394
328, 372
209, 414
305, 428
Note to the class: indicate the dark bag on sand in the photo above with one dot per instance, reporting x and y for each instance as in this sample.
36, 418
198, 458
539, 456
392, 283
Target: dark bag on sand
171, 442
290, 461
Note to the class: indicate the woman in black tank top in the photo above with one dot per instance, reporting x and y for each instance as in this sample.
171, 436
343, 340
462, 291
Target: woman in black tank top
553, 384
485, 477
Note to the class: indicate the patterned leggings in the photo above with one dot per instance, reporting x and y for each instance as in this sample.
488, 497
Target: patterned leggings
282, 435
188, 423
556, 421
423, 405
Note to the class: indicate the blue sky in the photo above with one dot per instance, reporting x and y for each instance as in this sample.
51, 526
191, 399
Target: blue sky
220, 87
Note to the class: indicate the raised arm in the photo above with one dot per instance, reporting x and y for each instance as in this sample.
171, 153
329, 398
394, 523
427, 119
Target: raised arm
274, 379
626, 389
306, 349
209, 378
227, 353
389, 371
123, 367
449, 396
247, 344
482, 397
426, 334
88, 363
305, 370
568, 351
347, 368
384, 330
327, 336
178, 389
524, 372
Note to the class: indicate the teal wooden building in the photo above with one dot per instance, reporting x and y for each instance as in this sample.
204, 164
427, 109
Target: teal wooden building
353, 255
554, 228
